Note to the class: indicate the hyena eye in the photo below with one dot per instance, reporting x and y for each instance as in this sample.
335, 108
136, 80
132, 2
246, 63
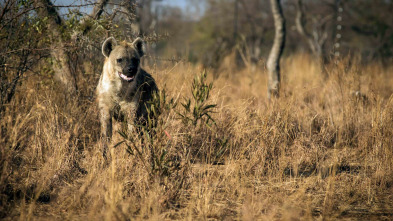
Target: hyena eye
119, 60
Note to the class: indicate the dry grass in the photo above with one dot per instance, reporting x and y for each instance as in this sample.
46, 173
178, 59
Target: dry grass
321, 151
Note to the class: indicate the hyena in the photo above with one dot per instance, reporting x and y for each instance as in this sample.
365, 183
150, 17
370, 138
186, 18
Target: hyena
124, 88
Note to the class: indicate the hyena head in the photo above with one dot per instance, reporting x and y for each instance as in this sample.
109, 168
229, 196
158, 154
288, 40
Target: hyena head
124, 58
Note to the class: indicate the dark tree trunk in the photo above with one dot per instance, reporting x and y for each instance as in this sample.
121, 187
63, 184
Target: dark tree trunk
63, 73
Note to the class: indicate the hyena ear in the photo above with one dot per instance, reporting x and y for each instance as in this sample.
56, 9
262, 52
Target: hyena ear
139, 45
108, 46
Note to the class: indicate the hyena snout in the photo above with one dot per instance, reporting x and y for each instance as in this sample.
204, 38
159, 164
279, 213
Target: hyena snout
131, 70
128, 72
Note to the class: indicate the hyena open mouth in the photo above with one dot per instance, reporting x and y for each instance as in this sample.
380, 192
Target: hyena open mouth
126, 78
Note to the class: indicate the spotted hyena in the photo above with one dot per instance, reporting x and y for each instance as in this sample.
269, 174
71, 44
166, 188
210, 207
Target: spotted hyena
124, 87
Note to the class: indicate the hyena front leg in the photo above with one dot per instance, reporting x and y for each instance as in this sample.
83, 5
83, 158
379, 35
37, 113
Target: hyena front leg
129, 109
106, 129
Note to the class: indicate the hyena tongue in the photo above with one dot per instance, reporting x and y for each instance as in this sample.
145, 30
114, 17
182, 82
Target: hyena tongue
124, 77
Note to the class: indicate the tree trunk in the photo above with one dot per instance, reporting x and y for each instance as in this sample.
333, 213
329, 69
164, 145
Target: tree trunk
63, 73
273, 62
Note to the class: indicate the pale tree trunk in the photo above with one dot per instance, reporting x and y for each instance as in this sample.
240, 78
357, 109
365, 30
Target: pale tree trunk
61, 65
273, 62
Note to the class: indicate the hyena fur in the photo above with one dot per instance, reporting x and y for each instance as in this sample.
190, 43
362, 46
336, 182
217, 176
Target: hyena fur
124, 88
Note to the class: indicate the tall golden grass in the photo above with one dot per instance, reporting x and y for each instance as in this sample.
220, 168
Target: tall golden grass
323, 150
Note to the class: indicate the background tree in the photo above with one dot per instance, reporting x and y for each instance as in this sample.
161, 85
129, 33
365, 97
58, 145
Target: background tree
273, 62
61, 61
369, 29
213, 34
18, 47
316, 28
86, 23
66, 36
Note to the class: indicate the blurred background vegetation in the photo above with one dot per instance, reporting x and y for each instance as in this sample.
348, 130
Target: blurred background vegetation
202, 32
322, 150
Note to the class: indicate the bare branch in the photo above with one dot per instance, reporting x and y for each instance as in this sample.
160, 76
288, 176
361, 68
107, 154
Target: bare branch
25, 11
317, 36
325, 20
99, 8
95, 15
300, 20
5, 10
